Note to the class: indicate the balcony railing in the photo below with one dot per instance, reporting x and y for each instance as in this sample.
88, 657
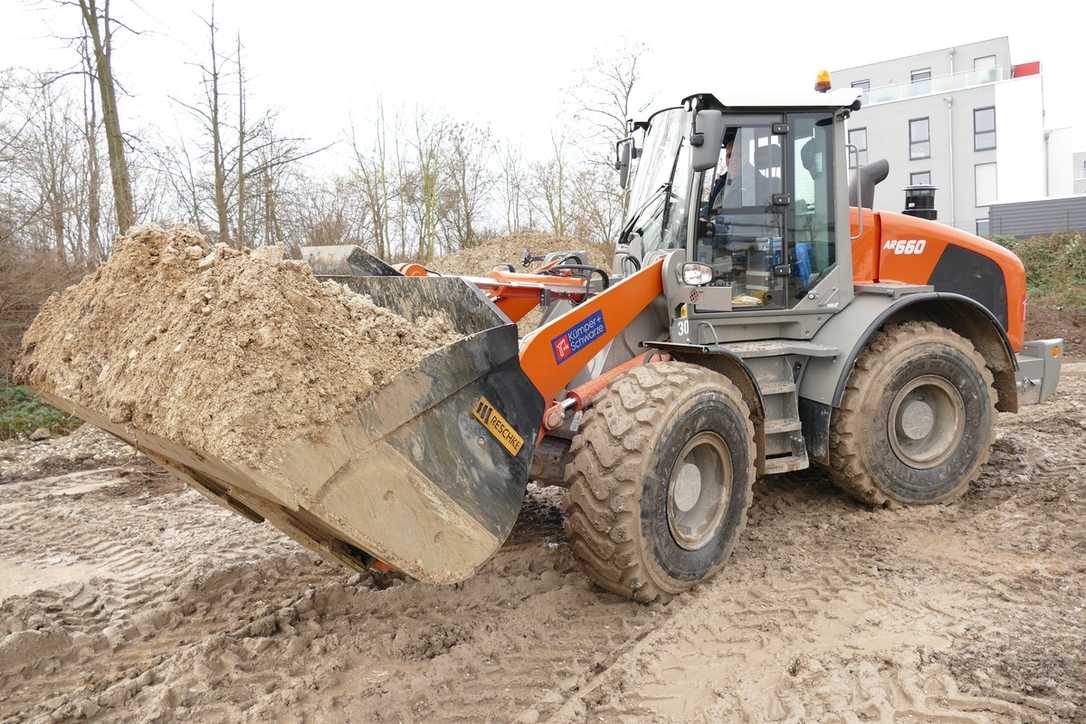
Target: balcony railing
938, 84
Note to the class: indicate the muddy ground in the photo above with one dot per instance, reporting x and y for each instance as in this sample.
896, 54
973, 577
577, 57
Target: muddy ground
127, 597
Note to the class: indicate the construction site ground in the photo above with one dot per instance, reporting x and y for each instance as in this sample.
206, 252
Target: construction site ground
125, 596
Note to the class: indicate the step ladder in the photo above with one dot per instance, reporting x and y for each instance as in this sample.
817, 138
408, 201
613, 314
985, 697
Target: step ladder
771, 362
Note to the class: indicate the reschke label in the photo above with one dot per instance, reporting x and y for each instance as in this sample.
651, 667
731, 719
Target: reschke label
578, 336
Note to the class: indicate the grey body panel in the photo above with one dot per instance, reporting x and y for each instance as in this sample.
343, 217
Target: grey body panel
1038, 375
849, 330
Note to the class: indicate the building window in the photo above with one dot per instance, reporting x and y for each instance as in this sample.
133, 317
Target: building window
984, 129
864, 85
984, 176
857, 156
982, 227
920, 178
921, 81
919, 139
983, 63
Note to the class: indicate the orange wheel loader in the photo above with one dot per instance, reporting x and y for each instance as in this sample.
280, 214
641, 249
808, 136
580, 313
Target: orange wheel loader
757, 318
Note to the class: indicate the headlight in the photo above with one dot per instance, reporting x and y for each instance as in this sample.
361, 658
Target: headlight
697, 275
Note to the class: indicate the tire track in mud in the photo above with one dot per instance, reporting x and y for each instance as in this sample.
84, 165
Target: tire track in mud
857, 646
827, 612
248, 630
834, 613
157, 567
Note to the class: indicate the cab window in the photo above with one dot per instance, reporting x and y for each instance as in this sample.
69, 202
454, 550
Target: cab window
766, 213
811, 230
741, 228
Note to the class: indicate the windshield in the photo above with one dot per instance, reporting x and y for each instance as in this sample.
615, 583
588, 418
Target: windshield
658, 199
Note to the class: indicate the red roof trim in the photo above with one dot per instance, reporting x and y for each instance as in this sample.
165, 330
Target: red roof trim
1031, 68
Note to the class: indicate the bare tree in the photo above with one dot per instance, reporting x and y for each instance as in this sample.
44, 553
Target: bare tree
49, 165
607, 97
425, 191
212, 114
512, 189
93, 181
99, 26
242, 131
552, 193
372, 169
468, 182
598, 209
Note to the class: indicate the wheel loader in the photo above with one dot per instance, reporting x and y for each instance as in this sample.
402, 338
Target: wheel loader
758, 317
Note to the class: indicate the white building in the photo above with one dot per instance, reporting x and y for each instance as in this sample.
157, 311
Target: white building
966, 120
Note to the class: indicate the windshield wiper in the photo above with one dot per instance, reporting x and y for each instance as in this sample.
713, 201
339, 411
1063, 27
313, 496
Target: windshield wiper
670, 181
664, 188
636, 216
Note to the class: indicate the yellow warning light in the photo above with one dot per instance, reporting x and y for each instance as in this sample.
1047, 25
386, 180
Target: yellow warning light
822, 81
1056, 351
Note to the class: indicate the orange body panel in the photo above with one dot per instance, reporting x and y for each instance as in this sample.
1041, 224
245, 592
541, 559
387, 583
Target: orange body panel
411, 269
865, 250
619, 305
882, 231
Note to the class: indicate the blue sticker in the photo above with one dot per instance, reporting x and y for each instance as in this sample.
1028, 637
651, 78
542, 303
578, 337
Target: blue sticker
579, 336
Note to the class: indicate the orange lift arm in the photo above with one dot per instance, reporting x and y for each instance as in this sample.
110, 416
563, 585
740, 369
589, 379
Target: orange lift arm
554, 354
514, 293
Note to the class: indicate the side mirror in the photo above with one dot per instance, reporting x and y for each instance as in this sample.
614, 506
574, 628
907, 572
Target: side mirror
706, 138
623, 154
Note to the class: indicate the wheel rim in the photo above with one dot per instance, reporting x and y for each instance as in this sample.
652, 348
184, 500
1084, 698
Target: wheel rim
926, 422
699, 490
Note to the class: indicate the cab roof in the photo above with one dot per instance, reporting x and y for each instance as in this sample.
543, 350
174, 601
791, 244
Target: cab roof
837, 99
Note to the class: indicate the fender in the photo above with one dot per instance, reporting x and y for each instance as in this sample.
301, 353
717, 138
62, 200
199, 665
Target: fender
824, 380
720, 359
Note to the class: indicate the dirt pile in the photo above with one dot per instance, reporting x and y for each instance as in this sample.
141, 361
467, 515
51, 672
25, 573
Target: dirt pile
1046, 319
510, 250
224, 351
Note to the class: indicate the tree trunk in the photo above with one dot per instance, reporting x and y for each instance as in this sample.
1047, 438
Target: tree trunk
118, 165
94, 173
216, 144
241, 150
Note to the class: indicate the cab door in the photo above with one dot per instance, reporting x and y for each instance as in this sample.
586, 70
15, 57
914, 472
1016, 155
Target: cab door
766, 216
742, 214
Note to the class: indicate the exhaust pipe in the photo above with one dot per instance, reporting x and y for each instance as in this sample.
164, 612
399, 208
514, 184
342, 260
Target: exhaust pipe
920, 202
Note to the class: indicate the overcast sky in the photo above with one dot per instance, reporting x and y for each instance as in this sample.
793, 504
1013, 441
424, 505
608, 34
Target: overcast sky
511, 64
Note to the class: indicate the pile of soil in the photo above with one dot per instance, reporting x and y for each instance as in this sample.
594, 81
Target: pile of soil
223, 351
1046, 320
511, 249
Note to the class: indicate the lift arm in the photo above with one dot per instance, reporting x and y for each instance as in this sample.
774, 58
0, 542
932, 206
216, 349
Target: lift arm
553, 354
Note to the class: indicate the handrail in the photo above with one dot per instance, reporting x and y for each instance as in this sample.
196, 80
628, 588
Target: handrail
859, 191
929, 86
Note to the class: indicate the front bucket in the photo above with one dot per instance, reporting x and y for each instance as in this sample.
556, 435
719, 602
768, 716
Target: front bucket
426, 474
429, 473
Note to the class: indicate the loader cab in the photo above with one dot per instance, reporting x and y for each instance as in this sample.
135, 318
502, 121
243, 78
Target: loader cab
769, 217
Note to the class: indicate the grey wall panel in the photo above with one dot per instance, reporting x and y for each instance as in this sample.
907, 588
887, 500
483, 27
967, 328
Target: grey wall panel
1043, 216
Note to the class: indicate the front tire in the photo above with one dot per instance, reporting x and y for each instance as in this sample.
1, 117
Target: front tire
660, 479
917, 419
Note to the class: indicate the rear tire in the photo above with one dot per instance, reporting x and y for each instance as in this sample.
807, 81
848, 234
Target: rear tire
660, 479
916, 421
